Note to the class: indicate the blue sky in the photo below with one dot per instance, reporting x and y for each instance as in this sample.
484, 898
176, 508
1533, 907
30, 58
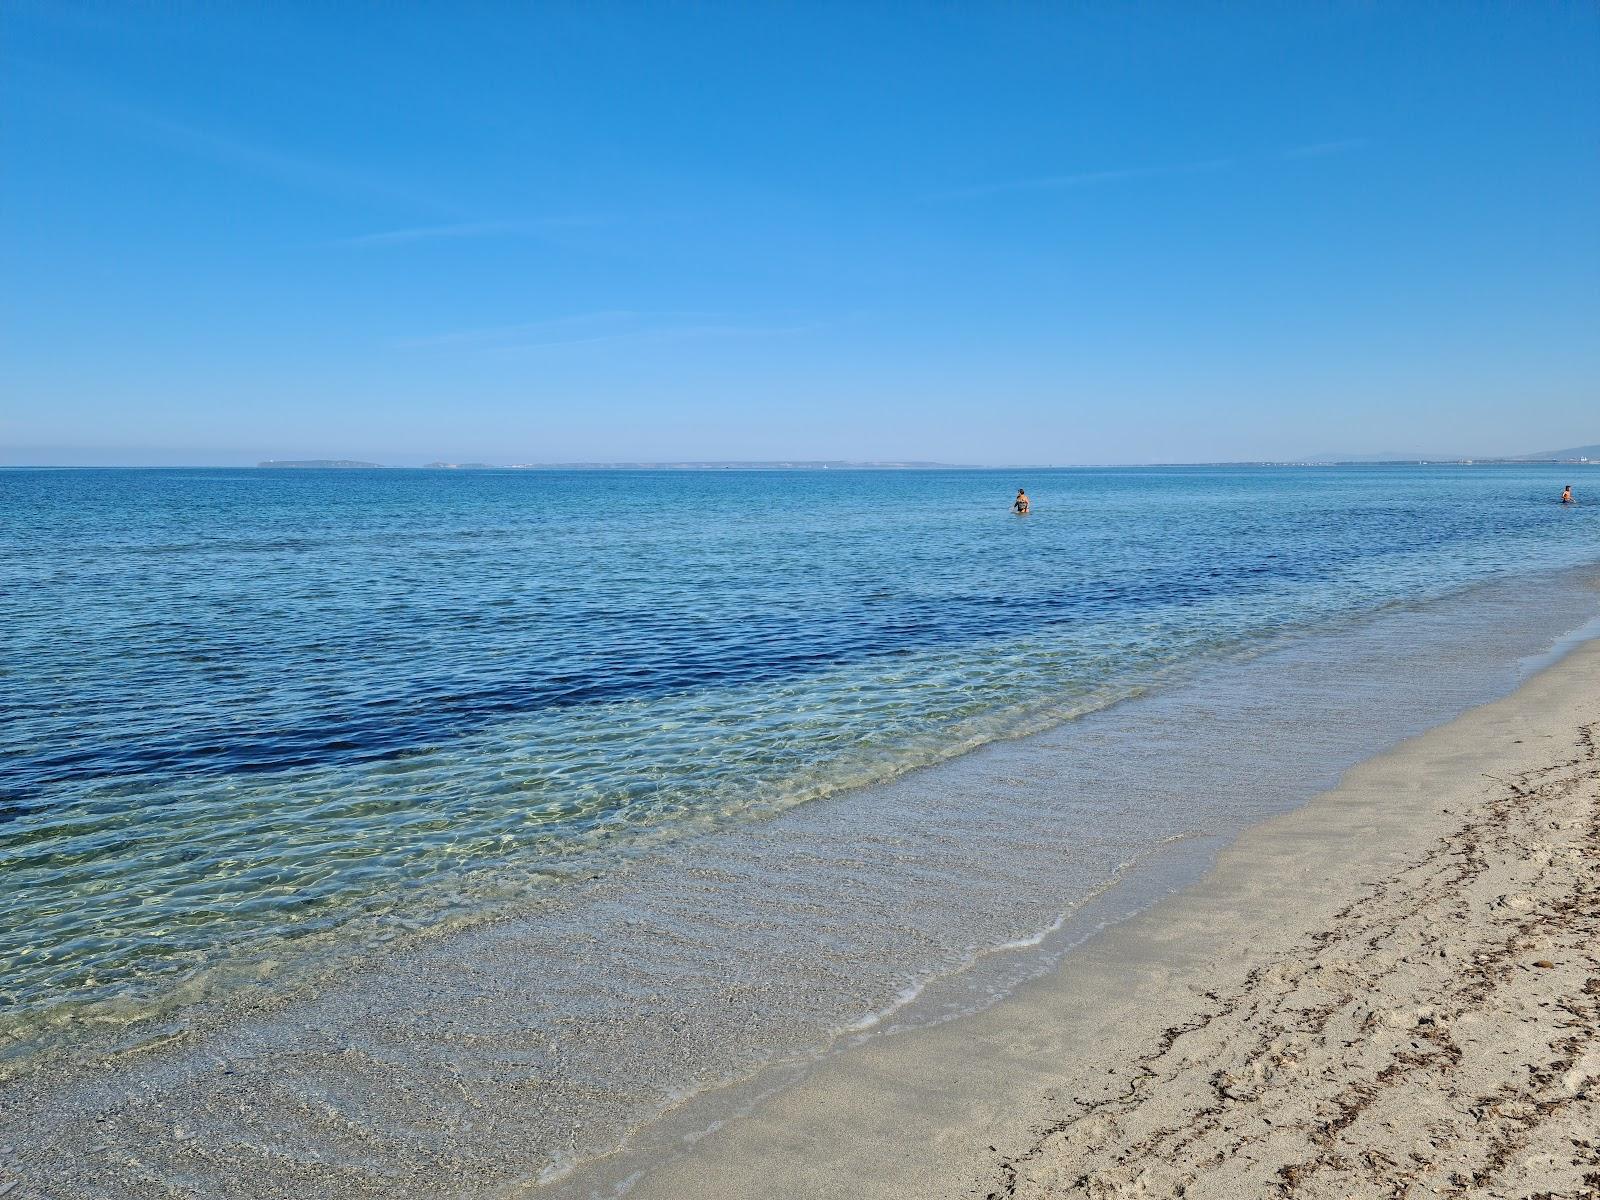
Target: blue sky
970, 233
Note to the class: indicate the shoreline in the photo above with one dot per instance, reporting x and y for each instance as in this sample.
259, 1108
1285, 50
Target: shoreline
360, 1093
1326, 1013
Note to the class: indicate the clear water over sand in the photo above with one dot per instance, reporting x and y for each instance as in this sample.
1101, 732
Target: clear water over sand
252, 716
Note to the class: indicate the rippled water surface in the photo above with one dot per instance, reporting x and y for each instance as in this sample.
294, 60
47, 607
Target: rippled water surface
243, 708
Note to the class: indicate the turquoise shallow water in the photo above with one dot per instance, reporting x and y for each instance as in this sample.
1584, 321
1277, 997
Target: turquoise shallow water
244, 709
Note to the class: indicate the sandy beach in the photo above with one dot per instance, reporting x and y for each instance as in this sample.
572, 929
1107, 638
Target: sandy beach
1392, 991
800, 602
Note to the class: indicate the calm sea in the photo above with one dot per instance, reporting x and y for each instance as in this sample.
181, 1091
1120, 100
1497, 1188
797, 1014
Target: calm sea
250, 714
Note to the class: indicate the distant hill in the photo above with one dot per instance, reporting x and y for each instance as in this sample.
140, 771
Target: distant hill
1573, 454
315, 463
1570, 455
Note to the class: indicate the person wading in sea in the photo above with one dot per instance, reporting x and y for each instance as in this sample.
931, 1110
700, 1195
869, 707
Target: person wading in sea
1020, 504
1566, 495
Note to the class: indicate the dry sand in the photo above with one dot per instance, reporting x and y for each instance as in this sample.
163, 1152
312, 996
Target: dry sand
1394, 991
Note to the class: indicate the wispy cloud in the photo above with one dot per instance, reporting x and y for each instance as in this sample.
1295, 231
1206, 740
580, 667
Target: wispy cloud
1084, 179
1319, 149
579, 325
617, 325
273, 164
433, 233
289, 168
468, 229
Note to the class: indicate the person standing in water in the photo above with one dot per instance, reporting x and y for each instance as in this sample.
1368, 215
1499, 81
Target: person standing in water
1566, 494
1020, 504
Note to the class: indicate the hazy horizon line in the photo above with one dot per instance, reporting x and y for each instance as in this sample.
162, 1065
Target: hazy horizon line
801, 464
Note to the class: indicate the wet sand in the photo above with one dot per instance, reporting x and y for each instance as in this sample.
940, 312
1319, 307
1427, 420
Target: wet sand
1394, 990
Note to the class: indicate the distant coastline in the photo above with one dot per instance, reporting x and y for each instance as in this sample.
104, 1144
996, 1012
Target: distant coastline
707, 465
1573, 454
316, 464
1582, 456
